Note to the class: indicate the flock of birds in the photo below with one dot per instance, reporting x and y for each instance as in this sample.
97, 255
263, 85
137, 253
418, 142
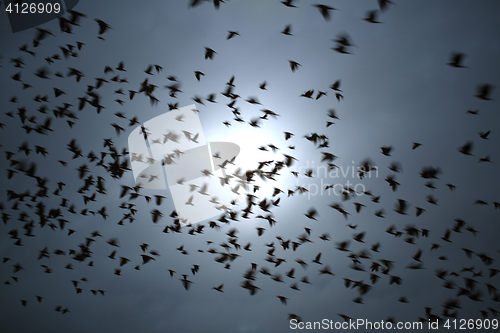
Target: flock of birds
27, 211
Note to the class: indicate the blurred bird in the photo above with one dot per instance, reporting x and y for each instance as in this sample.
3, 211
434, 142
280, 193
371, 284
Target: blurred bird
325, 11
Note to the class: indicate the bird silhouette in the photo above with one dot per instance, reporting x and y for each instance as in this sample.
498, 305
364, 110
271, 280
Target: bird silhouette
294, 65
371, 16
232, 34
484, 91
209, 53
466, 148
325, 11
103, 26
456, 60
289, 3
287, 30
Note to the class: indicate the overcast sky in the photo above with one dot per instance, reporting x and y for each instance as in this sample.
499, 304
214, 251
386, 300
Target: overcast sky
396, 88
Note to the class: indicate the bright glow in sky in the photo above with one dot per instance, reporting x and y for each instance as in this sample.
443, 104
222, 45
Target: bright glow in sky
68, 197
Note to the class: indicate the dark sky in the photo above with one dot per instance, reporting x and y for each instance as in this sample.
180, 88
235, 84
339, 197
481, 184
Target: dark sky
396, 88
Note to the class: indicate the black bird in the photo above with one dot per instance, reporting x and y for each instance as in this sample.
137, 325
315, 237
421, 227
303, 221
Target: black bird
430, 172
343, 39
103, 26
420, 210
18, 62
401, 207
117, 128
16, 77
383, 4
415, 145
335, 86
289, 3
325, 11
121, 67
483, 92
219, 288
386, 150
58, 92
308, 94
294, 65
231, 34
317, 259
484, 135
359, 237
417, 255
42, 34
195, 3
42, 73
283, 299
341, 49
65, 25
287, 30
446, 236
456, 60
185, 282
209, 53
75, 17
371, 16
198, 75
311, 213
395, 166
466, 148
392, 182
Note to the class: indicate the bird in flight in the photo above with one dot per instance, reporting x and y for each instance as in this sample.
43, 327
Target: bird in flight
232, 34
456, 60
294, 65
466, 148
209, 53
484, 91
372, 16
325, 11
288, 30
289, 3
103, 26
